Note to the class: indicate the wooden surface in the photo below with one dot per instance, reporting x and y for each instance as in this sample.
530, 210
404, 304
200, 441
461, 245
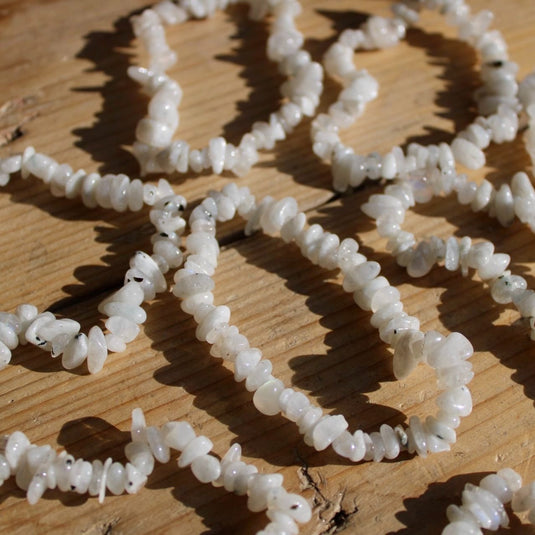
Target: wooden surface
63, 89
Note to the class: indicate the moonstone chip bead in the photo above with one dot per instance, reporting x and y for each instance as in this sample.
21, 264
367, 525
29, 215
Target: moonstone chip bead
15, 447
266, 398
259, 489
134, 480
327, 430
206, 468
461, 528
456, 400
157, 445
97, 351
140, 455
198, 446
116, 478
293, 505
177, 435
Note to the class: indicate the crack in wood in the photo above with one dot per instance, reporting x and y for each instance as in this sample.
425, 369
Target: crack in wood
11, 113
332, 514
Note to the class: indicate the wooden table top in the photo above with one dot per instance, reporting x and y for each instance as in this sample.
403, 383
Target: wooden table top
64, 90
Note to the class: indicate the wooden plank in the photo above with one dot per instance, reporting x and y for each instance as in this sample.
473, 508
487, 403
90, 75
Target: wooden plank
63, 87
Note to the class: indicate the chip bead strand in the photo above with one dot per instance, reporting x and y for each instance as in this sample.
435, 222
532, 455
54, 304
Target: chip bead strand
143, 279
483, 505
263, 491
497, 100
155, 149
448, 356
418, 257
38, 468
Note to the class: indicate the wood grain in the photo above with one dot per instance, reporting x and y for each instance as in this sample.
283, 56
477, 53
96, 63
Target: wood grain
63, 89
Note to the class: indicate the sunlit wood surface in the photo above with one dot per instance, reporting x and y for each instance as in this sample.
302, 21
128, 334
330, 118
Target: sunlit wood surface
64, 90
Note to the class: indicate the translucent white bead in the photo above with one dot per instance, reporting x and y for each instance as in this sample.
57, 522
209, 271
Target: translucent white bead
138, 426
360, 446
96, 476
378, 447
259, 489
282, 521
206, 468
327, 430
122, 327
441, 430
168, 250
278, 214
97, 351
407, 353
361, 275
75, 352
525, 302
460, 514
80, 476
5, 355
453, 376
134, 479
309, 418
524, 498
452, 419
146, 264
9, 335
491, 512
266, 398
216, 154
114, 343
448, 351
457, 400
36, 489
188, 283
259, 375
504, 205
212, 320
15, 448
124, 310
116, 478
157, 445
293, 505
140, 455
417, 437
198, 446
295, 406
390, 441
396, 327
63, 465
154, 133
386, 313
177, 435
32, 329
5, 470
422, 260
293, 227
513, 480
461, 528
498, 486
467, 154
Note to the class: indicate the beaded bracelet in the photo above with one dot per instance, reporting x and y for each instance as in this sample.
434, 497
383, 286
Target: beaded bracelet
154, 148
